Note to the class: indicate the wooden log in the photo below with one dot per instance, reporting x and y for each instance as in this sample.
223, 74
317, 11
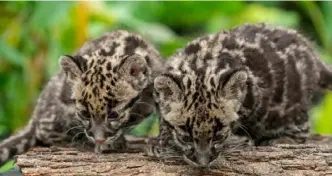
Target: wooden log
313, 158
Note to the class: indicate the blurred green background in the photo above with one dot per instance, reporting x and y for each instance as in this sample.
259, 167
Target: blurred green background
35, 34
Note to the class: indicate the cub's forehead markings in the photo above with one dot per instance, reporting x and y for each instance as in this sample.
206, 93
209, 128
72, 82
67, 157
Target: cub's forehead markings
109, 50
109, 66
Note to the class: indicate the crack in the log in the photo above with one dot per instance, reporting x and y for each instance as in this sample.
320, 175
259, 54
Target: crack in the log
134, 167
329, 161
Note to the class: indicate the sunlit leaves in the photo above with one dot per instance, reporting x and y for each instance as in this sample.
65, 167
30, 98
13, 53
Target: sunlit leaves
148, 127
10, 54
317, 19
327, 11
185, 14
7, 166
322, 114
255, 13
48, 15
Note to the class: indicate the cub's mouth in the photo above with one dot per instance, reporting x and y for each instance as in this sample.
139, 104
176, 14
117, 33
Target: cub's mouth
111, 143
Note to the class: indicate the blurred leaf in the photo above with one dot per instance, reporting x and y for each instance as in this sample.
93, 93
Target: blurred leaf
3, 120
81, 22
154, 130
16, 96
154, 32
30, 45
15, 7
143, 128
219, 23
53, 55
12, 34
317, 19
325, 56
10, 12
185, 13
10, 54
327, 10
255, 13
7, 166
168, 48
271, 3
49, 14
324, 122
95, 28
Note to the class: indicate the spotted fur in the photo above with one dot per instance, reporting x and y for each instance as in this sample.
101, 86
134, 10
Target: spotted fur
253, 80
100, 93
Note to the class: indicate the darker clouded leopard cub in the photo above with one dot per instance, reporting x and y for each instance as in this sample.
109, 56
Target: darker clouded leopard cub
101, 92
252, 80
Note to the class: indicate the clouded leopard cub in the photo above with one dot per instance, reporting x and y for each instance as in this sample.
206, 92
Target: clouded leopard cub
101, 92
255, 79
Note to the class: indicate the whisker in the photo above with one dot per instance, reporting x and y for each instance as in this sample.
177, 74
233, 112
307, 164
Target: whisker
133, 113
230, 150
75, 127
145, 103
76, 136
78, 120
243, 128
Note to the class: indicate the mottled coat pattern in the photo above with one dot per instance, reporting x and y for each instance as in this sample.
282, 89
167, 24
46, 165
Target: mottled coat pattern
100, 93
254, 80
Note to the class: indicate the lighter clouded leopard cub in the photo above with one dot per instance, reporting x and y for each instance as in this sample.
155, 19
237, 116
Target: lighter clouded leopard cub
254, 80
101, 92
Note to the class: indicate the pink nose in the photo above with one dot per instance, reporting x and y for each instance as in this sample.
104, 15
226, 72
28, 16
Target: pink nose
100, 141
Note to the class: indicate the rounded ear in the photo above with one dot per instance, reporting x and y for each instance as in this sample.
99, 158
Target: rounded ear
70, 65
234, 84
134, 65
167, 88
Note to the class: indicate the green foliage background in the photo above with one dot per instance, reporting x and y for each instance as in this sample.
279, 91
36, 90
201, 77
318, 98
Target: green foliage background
34, 35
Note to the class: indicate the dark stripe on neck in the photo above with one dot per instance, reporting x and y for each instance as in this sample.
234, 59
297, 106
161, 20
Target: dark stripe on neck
132, 102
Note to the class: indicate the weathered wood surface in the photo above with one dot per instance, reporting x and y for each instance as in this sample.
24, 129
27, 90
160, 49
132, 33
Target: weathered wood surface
313, 158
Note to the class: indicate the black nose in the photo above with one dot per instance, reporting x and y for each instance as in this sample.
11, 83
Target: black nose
100, 140
202, 159
206, 157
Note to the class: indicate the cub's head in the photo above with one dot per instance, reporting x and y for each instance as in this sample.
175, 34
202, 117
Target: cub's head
106, 83
200, 113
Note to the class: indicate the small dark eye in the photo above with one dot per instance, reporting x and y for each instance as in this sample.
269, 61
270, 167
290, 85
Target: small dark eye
89, 133
133, 101
133, 72
185, 139
221, 137
113, 115
136, 69
83, 114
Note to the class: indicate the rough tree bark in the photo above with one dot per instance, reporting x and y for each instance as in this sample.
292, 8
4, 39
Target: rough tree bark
312, 158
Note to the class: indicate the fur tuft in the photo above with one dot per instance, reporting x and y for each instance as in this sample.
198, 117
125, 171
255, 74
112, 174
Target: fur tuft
18, 143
